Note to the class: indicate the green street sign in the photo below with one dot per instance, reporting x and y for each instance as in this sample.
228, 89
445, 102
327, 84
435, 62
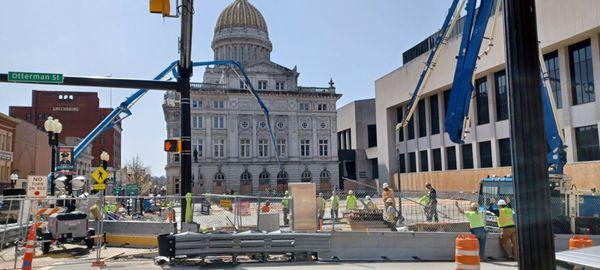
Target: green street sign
31, 77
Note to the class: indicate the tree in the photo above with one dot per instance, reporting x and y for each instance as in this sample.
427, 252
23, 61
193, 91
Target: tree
138, 173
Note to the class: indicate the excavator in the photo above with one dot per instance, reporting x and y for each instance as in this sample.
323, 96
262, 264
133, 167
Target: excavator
564, 195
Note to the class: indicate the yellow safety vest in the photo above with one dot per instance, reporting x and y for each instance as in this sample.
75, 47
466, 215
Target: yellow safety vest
475, 219
505, 217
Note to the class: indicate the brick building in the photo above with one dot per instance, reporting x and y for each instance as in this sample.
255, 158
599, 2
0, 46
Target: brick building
7, 142
79, 113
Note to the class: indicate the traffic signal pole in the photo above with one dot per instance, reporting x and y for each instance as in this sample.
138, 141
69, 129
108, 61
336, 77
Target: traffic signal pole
185, 72
528, 140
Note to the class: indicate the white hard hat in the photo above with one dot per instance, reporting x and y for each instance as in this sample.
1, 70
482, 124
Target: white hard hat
368, 197
350, 192
385, 185
501, 202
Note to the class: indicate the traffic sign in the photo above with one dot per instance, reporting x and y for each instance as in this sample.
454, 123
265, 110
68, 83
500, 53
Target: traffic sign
32, 77
37, 186
100, 175
132, 190
99, 186
225, 203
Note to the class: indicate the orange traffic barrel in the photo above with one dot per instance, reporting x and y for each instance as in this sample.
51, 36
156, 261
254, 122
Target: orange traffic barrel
467, 252
580, 241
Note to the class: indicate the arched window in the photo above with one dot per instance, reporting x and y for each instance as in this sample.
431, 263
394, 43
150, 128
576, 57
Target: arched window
264, 178
306, 176
246, 183
282, 181
219, 178
325, 176
246, 176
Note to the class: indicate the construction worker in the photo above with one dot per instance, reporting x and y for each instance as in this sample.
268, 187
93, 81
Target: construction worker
335, 205
508, 238
432, 214
388, 193
266, 208
368, 203
476, 225
350, 201
390, 214
320, 208
286, 207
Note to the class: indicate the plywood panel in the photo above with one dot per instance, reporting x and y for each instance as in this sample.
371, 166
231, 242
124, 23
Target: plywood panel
304, 206
585, 175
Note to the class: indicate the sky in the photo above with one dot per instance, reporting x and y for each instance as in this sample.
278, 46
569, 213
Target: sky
354, 42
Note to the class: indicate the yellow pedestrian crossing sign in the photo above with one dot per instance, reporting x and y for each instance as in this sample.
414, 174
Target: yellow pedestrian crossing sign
100, 175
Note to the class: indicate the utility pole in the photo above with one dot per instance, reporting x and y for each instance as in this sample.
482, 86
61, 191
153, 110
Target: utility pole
185, 72
530, 174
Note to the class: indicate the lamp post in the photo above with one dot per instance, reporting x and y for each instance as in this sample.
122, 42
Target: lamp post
104, 157
53, 127
13, 179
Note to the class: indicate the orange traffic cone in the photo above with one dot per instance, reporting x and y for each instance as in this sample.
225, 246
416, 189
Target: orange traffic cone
29, 248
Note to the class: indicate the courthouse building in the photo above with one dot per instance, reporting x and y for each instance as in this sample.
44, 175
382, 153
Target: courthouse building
232, 150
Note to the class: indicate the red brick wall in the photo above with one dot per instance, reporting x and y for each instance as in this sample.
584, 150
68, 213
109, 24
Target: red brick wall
79, 116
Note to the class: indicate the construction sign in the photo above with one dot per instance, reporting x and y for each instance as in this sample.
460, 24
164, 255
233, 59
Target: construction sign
225, 203
37, 186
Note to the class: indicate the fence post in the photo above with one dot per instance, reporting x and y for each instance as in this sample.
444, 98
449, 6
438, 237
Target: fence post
6, 225
258, 211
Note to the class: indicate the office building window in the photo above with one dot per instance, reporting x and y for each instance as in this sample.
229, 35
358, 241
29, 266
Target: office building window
411, 128
244, 147
582, 73
424, 160
504, 149
586, 139
372, 135
281, 147
280, 85
553, 69
402, 161
305, 148
323, 147
446, 100
451, 158
219, 122
304, 106
219, 148
412, 162
218, 104
322, 107
199, 147
262, 85
399, 116
501, 96
467, 156
263, 147
197, 122
485, 154
435, 114
437, 159
481, 98
422, 119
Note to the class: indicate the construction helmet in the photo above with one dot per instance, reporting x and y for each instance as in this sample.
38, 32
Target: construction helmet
501, 202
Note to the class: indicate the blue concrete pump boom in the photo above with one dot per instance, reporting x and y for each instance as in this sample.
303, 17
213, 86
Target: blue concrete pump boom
115, 116
462, 88
442, 37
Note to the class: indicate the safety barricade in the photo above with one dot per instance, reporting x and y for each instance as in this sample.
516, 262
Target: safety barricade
466, 252
580, 241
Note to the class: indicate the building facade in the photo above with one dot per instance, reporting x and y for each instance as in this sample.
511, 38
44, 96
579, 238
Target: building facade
570, 43
357, 145
8, 126
79, 113
232, 150
32, 154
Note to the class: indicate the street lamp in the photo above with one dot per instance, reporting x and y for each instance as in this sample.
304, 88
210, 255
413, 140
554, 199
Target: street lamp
53, 127
13, 179
104, 157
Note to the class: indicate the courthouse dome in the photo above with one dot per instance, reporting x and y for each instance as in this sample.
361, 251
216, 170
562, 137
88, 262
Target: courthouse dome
241, 14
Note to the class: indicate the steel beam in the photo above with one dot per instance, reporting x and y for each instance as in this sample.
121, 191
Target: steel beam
528, 139
109, 82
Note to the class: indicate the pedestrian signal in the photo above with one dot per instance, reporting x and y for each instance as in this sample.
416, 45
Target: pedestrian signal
173, 146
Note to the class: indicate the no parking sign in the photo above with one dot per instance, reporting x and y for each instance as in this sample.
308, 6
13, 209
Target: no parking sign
37, 186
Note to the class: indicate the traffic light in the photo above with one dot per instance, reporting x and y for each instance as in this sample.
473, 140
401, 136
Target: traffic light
160, 6
173, 146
